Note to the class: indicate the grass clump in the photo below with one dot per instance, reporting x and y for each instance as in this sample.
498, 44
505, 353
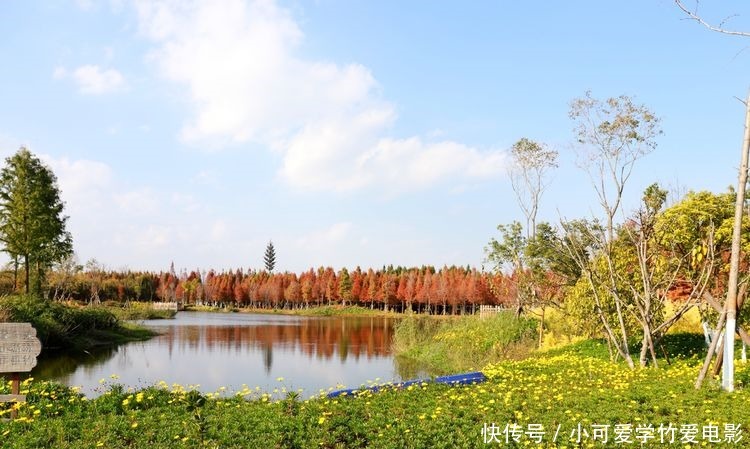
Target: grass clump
464, 343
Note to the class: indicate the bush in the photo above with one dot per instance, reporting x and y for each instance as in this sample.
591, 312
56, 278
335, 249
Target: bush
57, 324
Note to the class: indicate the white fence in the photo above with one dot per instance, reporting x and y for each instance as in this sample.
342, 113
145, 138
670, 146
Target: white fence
485, 311
165, 306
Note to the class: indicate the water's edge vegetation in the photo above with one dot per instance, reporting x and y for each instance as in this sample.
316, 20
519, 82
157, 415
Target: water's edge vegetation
61, 326
463, 343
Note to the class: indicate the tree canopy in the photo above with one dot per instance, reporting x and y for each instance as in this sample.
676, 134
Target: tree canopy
32, 223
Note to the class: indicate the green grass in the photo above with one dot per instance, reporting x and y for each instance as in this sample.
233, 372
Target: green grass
134, 310
462, 343
339, 310
673, 346
63, 327
568, 387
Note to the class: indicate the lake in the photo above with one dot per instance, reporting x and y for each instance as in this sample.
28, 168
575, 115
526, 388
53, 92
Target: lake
214, 350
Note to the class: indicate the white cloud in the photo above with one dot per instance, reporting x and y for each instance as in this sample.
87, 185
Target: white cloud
59, 73
92, 79
85, 5
146, 240
414, 162
246, 83
143, 226
329, 155
83, 183
137, 202
324, 239
205, 177
109, 53
218, 230
185, 202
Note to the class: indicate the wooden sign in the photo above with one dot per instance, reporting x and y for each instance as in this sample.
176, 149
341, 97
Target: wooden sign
18, 347
18, 350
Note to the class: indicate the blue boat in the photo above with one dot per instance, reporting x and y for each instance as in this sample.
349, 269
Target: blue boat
454, 379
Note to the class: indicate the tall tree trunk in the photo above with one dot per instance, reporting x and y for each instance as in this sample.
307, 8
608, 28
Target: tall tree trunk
720, 357
26, 268
734, 265
541, 328
711, 350
15, 273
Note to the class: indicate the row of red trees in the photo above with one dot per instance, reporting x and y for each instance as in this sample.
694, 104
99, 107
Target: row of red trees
448, 290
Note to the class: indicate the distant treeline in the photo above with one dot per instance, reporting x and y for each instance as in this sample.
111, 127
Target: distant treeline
449, 290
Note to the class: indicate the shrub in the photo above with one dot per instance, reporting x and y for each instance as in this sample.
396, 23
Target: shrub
57, 324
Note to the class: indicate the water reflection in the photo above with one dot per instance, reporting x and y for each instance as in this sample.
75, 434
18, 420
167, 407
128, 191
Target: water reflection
314, 338
232, 350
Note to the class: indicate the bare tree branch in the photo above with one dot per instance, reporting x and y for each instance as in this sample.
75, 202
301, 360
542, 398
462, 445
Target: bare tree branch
693, 15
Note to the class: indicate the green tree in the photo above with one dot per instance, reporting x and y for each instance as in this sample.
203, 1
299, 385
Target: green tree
32, 223
509, 254
345, 286
270, 257
541, 267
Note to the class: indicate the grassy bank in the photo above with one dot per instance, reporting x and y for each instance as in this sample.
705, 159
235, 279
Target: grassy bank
573, 388
135, 310
62, 326
334, 310
462, 343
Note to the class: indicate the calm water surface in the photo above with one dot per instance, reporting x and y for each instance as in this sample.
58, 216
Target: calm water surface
231, 350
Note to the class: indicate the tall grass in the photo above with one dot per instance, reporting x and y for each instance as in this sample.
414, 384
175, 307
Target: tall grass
465, 343
135, 310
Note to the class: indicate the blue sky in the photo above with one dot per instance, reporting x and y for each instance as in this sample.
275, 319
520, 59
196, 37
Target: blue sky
348, 132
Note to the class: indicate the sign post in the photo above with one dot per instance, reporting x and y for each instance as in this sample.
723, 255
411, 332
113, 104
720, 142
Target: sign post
18, 350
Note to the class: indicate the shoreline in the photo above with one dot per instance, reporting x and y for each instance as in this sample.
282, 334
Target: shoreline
319, 311
314, 311
127, 333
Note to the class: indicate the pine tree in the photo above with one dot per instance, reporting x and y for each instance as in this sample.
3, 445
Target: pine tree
270, 257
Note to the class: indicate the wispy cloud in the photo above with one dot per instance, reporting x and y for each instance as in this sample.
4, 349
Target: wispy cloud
324, 239
92, 79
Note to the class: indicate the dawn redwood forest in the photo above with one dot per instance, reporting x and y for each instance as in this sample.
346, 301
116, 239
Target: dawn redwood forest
449, 290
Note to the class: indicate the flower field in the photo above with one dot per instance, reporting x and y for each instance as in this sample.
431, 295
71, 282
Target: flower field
566, 398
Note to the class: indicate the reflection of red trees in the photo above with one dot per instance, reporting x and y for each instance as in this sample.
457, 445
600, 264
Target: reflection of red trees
320, 338
449, 290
